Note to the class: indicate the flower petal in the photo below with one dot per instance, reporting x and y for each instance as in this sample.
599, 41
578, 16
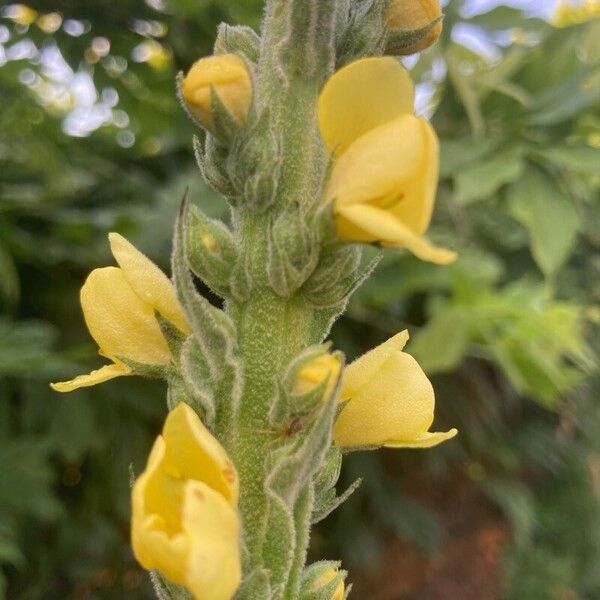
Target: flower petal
157, 535
393, 167
361, 96
364, 368
148, 281
370, 224
214, 566
424, 440
119, 320
98, 376
396, 403
193, 453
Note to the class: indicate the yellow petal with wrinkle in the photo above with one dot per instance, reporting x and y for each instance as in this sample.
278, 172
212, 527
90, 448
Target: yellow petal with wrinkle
119, 320
184, 517
393, 167
214, 570
362, 96
157, 535
98, 376
393, 406
148, 281
367, 223
424, 440
363, 369
194, 453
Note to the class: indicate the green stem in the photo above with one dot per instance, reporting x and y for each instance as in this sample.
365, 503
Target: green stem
271, 330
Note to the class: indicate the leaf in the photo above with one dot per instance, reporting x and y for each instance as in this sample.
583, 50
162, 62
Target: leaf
551, 220
25, 479
443, 341
518, 504
481, 180
565, 100
74, 429
502, 17
460, 152
582, 159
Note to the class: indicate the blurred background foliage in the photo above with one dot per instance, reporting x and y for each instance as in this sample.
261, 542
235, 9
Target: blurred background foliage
92, 140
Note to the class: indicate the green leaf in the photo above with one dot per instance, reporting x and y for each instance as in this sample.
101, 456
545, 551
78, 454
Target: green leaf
565, 100
481, 180
442, 342
549, 217
458, 153
582, 159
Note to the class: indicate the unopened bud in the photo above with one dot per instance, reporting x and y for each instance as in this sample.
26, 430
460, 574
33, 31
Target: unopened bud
227, 75
414, 25
324, 579
322, 368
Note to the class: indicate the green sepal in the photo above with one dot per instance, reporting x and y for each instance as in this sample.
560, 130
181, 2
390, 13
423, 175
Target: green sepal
255, 585
239, 39
173, 336
259, 145
213, 330
198, 382
167, 590
226, 127
293, 250
325, 317
334, 276
241, 282
329, 501
398, 40
294, 465
212, 260
329, 473
179, 93
365, 34
326, 499
211, 158
302, 512
147, 370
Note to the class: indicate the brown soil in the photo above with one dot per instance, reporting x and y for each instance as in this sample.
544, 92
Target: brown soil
468, 565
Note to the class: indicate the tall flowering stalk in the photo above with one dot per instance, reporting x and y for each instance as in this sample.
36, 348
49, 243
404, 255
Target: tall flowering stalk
308, 132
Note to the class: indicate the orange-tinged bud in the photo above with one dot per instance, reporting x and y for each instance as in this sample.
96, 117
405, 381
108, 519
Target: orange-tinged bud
411, 16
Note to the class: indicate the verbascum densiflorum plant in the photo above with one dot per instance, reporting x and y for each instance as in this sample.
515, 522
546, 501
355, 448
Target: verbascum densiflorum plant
307, 129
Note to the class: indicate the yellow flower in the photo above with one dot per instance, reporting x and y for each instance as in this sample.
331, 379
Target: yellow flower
184, 510
384, 177
389, 399
314, 372
409, 15
324, 579
227, 75
118, 305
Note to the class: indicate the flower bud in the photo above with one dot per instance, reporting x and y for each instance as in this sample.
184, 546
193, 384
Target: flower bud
324, 579
410, 17
227, 76
322, 368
